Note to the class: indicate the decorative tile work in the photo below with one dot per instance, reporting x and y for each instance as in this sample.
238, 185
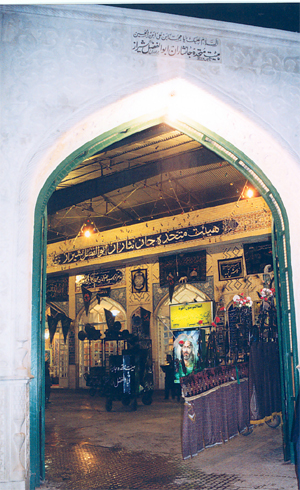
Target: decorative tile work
78, 303
257, 220
119, 295
231, 252
250, 284
206, 287
232, 286
158, 294
138, 298
62, 305
209, 262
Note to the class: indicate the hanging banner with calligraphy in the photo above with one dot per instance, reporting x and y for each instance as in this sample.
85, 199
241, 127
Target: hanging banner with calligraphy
57, 289
182, 235
176, 45
101, 278
182, 268
230, 268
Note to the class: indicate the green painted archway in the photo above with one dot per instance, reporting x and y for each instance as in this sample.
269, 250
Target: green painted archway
286, 320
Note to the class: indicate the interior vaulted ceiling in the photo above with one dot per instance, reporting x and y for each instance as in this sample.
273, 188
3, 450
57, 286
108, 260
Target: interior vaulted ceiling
155, 173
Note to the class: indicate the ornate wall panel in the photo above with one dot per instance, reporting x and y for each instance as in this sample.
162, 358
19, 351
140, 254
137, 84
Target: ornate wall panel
119, 295
134, 296
59, 59
14, 430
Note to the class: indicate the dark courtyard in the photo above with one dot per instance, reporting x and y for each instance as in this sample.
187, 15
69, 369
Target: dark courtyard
88, 448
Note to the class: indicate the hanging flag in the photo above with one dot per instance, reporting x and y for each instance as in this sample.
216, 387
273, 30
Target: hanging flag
110, 319
87, 296
102, 293
53, 312
145, 316
171, 281
65, 324
52, 324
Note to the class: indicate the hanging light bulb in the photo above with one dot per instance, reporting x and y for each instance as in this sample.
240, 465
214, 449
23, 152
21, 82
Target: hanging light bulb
249, 193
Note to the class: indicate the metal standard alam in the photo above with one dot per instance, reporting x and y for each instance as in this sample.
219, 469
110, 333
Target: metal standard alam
126, 371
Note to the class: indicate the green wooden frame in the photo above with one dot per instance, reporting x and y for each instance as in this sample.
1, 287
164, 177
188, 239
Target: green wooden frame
288, 338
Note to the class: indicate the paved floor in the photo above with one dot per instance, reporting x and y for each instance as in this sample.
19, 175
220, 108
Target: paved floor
88, 448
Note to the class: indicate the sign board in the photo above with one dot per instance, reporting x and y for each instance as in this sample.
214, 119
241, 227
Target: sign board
191, 315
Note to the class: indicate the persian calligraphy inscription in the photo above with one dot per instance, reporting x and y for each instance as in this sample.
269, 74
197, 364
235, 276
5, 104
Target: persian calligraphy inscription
176, 45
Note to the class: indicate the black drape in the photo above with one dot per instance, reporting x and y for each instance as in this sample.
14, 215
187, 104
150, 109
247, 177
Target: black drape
264, 381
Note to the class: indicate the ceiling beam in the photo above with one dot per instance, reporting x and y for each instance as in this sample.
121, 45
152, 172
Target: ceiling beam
118, 207
146, 134
90, 189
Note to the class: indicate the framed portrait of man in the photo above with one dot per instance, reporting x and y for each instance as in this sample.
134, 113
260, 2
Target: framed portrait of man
186, 353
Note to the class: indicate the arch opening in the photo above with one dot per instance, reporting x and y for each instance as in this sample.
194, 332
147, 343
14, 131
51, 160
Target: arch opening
280, 242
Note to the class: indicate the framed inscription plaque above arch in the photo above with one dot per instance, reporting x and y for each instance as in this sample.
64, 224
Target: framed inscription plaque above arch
230, 268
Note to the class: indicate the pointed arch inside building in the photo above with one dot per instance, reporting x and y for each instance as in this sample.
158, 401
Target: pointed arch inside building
186, 293
96, 319
281, 249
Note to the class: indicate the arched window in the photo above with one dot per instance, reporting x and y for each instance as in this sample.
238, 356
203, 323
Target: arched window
182, 294
91, 351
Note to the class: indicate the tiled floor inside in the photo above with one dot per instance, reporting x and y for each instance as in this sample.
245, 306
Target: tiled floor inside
88, 448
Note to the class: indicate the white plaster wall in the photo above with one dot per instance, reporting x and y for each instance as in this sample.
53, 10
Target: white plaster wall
69, 74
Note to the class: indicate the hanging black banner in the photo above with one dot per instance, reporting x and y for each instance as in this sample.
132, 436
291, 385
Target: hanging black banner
65, 324
171, 281
145, 316
57, 289
257, 256
110, 319
102, 293
52, 324
190, 267
87, 296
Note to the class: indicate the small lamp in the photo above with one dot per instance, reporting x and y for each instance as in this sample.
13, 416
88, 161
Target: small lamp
88, 229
